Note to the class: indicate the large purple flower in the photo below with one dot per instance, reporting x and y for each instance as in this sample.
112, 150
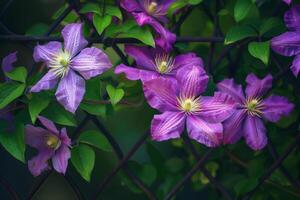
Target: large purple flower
153, 63
51, 144
150, 12
7, 66
288, 43
70, 64
248, 118
180, 103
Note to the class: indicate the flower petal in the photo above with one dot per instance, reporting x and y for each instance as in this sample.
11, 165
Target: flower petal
188, 59
274, 107
292, 18
130, 5
48, 82
143, 56
35, 137
167, 126
90, 62
164, 38
39, 163
161, 94
48, 124
217, 108
46, 52
257, 87
192, 81
286, 44
235, 91
74, 40
136, 74
60, 159
70, 91
233, 127
296, 65
204, 132
287, 1
255, 133
7, 62
64, 137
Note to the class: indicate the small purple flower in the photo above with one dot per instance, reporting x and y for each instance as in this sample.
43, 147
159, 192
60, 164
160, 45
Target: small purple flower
63, 63
51, 144
150, 12
287, 44
153, 63
7, 66
181, 104
247, 119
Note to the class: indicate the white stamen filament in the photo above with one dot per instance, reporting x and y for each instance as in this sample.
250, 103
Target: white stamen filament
189, 105
254, 107
60, 64
164, 64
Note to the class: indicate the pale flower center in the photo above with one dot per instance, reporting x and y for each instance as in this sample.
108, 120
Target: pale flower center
254, 107
52, 141
151, 8
60, 64
164, 64
189, 105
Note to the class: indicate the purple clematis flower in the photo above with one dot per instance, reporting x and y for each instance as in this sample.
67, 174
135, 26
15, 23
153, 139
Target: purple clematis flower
153, 63
7, 66
63, 63
51, 144
150, 12
248, 118
181, 104
287, 44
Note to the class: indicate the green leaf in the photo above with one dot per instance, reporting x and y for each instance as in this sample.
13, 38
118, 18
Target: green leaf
260, 50
91, 7
113, 11
14, 142
37, 104
37, 30
9, 92
241, 9
96, 139
58, 114
141, 33
194, 2
17, 74
237, 33
94, 109
269, 24
101, 22
83, 159
115, 94
148, 174
245, 185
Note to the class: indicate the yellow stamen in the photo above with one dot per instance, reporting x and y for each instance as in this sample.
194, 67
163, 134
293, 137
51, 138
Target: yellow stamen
254, 107
60, 64
152, 7
189, 105
52, 141
164, 64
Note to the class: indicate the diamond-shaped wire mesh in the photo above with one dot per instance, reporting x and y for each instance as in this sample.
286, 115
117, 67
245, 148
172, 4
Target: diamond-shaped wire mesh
121, 156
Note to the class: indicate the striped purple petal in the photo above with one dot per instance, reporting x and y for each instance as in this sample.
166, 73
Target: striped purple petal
168, 125
70, 91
